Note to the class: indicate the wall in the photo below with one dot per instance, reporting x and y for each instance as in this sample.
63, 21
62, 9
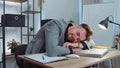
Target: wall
80, 11
106, 1
61, 9
93, 14
117, 16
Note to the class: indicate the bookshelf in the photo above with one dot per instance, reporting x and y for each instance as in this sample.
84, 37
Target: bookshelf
31, 12
27, 24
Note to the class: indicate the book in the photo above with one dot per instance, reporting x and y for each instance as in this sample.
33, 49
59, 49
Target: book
43, 58
95, 52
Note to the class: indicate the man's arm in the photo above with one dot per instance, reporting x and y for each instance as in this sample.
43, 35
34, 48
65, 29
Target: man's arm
52, 38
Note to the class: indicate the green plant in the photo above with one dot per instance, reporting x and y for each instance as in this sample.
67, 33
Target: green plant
12, 44
31, 28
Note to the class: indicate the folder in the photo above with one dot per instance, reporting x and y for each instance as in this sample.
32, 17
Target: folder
43, 58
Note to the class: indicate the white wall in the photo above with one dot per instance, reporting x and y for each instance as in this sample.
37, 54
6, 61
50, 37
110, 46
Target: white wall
106, 1
117, 16
93, 14
61, 9
80, 11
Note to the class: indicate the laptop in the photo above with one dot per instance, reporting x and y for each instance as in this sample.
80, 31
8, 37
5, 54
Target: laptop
94, 52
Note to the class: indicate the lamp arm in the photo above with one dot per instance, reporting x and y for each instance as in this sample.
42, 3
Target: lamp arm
114, 23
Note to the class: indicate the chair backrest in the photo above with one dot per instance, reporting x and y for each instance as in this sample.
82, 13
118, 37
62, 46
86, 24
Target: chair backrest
20, 50
44, 21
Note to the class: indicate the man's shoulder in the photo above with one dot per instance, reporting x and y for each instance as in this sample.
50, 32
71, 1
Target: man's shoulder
60, 22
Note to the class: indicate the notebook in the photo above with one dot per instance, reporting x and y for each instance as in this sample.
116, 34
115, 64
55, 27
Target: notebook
95, 52
43, 58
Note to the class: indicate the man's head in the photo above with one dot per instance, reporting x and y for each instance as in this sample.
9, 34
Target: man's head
79, 32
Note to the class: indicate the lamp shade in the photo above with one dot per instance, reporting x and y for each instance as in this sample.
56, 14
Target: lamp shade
104, 23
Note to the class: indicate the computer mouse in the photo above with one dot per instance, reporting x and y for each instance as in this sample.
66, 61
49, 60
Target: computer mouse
73, 56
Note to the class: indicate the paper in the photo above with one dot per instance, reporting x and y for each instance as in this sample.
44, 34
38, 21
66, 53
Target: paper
93, 52
43, 58
101, 47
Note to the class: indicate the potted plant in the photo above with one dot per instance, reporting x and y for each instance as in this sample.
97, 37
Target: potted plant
12, 44
31, 30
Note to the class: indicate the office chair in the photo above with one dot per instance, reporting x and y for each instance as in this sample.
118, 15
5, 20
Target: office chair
20, 50
44, 21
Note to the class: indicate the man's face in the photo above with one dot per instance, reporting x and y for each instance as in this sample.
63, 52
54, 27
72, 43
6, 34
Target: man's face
76, 33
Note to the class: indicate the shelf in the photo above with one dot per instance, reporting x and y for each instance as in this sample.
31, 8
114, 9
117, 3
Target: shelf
13, 26
28, 34
1, 37
0, 24
31, 12
18, 1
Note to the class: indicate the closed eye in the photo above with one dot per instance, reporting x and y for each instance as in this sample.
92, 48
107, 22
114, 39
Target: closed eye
78, 33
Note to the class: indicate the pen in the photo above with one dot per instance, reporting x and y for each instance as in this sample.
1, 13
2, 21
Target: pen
43, 58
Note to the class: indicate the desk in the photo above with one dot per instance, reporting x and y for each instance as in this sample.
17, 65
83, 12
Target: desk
10, 60
74, 63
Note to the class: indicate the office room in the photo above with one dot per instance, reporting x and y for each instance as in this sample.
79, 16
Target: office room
20, 20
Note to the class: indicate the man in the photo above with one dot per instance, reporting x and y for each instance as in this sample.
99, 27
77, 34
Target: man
51, 38
78, 37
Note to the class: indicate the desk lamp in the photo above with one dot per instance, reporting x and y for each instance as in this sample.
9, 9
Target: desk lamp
104, 23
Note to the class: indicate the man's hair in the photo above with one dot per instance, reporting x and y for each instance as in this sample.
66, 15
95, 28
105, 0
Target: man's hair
89, 31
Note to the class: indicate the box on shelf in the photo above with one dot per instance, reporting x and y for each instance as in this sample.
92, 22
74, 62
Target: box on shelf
13, 20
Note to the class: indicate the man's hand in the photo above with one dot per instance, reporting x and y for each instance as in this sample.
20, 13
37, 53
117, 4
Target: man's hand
74, 46
74, 50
